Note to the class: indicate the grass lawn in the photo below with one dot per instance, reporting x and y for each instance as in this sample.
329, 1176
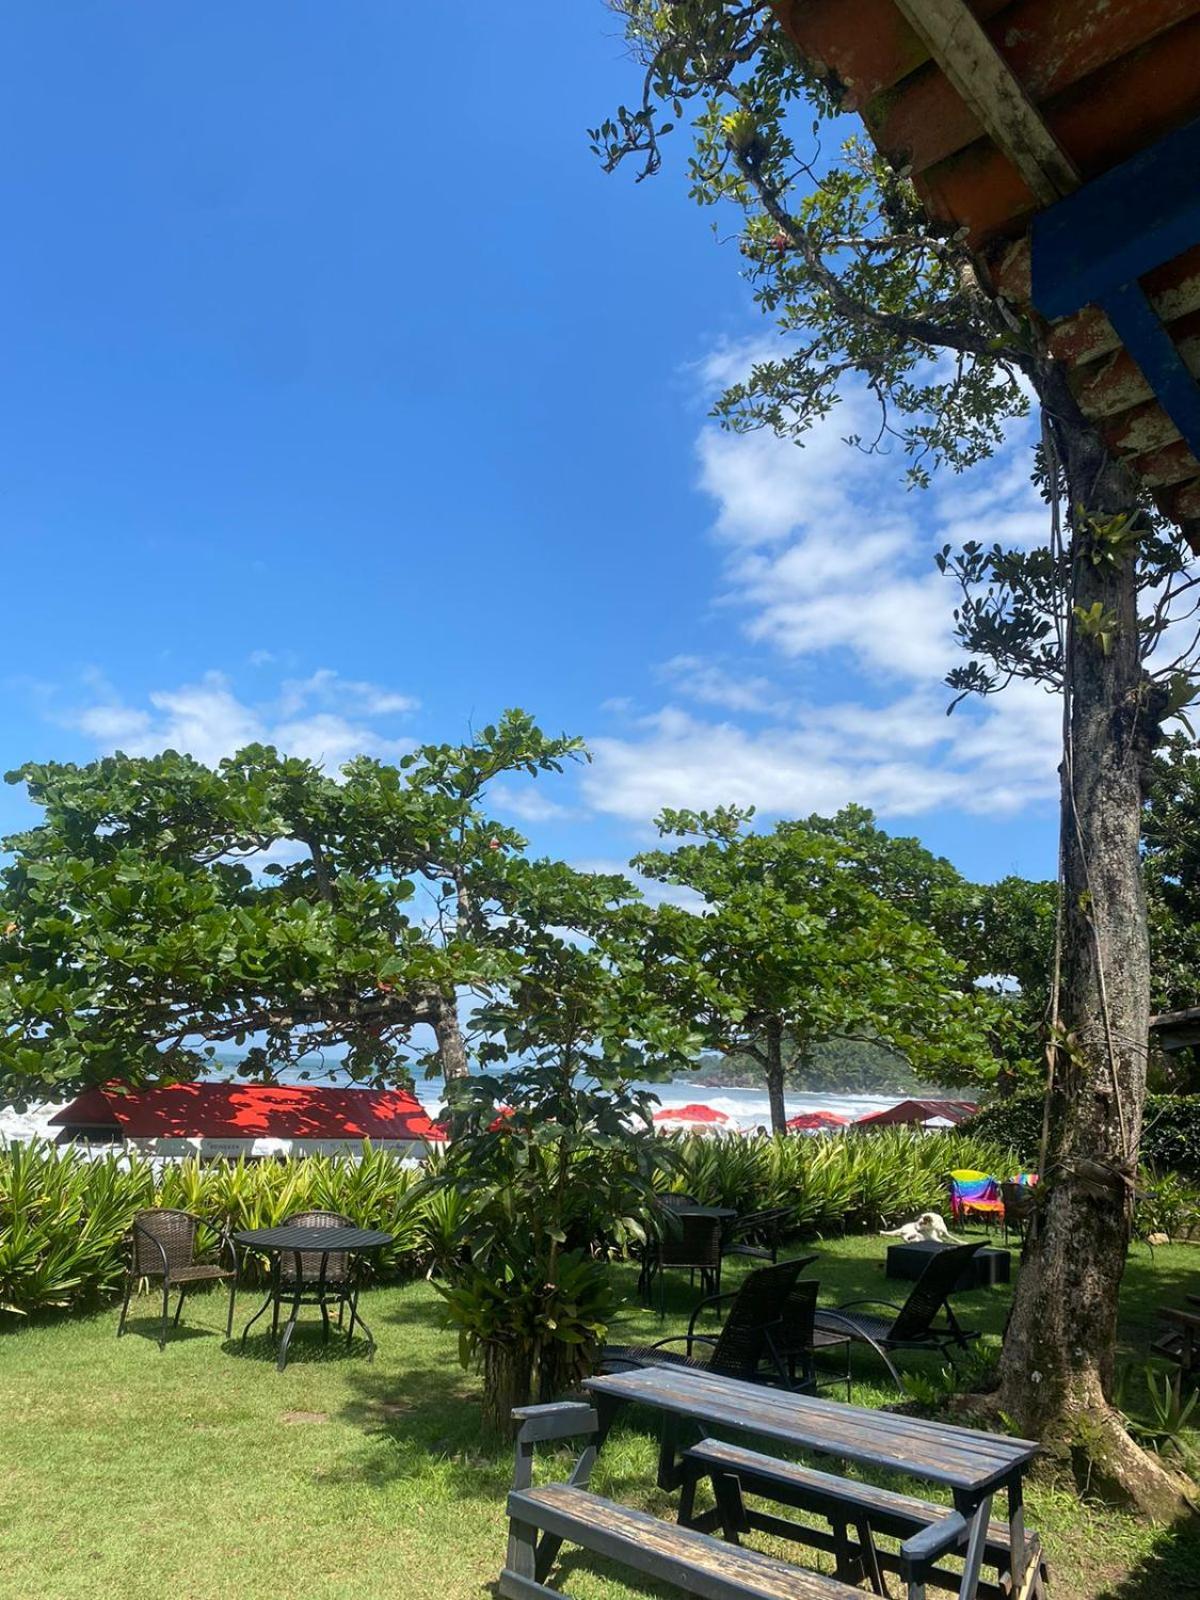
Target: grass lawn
201, 1472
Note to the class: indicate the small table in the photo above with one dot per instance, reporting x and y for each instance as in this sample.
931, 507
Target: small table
975, 1466
985, 1268
303, 1239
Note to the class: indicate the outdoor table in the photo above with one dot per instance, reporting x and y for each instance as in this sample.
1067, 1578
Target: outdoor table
985, 1268
302, 1240
720, 1213
975, 1466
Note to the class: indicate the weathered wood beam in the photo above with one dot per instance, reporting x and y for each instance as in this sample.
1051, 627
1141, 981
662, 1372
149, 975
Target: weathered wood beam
988, 85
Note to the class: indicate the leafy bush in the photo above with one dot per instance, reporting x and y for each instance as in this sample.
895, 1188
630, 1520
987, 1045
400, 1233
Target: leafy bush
1170, 1135
64, 1219
844, 1183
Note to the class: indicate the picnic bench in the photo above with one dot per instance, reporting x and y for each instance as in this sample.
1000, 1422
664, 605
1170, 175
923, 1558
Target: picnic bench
542, 1518
974, 1466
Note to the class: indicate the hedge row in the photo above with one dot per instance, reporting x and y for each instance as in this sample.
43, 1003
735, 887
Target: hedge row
64, 1219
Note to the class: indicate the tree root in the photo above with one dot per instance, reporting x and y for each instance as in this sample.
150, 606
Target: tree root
1091, 1444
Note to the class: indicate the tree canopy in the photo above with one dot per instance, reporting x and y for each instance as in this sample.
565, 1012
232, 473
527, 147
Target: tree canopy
789, 948
161, 908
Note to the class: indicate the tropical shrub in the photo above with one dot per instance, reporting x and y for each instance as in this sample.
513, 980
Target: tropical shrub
64, 1218
844, 1183
1170, 1132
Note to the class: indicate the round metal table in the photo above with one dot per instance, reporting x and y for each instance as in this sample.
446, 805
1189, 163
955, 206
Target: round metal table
300, 1240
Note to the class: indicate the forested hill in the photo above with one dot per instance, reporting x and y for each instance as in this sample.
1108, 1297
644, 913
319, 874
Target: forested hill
831, 1067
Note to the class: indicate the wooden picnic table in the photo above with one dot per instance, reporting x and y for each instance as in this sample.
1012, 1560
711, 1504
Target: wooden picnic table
974, 1466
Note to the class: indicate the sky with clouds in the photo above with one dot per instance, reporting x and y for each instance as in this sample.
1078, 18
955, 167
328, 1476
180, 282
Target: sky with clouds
348, 403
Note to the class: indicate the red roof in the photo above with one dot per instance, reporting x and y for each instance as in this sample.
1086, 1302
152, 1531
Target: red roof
252, 1111
919, 1111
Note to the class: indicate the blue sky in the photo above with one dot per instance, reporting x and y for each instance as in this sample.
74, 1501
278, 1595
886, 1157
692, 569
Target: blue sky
347, 402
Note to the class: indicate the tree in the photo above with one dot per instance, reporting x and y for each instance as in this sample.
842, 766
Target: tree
864, 289
790, 949
1172, 856
555, 1153
1002, 933
162, 907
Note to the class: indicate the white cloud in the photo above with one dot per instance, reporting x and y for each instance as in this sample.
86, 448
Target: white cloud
711, 684
527, 804
322, 718
901, 758
829, 559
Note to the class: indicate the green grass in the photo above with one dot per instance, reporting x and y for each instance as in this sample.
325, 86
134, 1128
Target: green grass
201, 1472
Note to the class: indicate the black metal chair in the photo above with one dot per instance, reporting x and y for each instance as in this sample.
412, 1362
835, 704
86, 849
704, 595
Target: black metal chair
163, 1245
325, 1277
912, 1326
1020, 1208
757, 1235
758, 1341
689, 1242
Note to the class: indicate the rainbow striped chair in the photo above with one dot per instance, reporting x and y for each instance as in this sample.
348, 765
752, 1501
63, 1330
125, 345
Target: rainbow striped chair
975, 1194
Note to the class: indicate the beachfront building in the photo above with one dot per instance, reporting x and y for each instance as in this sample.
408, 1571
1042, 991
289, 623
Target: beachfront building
244, 1119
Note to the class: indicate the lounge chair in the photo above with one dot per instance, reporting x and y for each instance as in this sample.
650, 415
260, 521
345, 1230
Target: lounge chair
163, 1245
758, 1342
912, 1326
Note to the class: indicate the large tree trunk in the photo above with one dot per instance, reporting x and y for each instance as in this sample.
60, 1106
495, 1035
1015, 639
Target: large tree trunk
452, 1047
775, 1077
1057, 1365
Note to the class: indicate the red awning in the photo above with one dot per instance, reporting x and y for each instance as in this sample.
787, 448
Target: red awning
252, 1111
910, 1111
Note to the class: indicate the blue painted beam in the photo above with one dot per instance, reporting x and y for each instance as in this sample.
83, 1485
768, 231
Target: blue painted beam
1118, 226
1151, 346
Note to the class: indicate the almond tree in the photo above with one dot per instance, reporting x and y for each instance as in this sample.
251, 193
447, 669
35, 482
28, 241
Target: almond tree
788, 949
864, 290
162, 908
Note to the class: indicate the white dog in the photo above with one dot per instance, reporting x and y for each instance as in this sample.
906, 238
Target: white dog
927, 1226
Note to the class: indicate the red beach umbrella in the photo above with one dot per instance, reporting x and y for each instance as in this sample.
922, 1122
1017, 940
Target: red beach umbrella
670, 1118
814, 1121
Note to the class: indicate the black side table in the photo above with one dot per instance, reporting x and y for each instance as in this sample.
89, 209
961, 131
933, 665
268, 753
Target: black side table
985, 1268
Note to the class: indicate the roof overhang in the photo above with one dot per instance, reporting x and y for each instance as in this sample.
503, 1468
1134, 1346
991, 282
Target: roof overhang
1063, 138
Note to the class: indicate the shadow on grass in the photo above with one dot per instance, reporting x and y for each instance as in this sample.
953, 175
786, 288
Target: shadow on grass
1170, 1572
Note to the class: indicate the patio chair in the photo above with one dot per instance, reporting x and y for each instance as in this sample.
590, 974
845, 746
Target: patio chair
324, 1277
689, 1242
912, 1326
757, 1235
975, 1195
758, 1341
1020, 1208
162, 1245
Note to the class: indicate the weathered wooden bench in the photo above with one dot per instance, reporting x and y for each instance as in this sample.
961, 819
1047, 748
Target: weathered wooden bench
542, 1518
923, 1526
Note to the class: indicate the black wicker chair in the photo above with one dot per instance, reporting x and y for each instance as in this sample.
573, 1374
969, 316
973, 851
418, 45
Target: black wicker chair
912, 1326
689, 1242
324, 1278
760, 1337
758, 1235
163, 1245
1020, 1209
